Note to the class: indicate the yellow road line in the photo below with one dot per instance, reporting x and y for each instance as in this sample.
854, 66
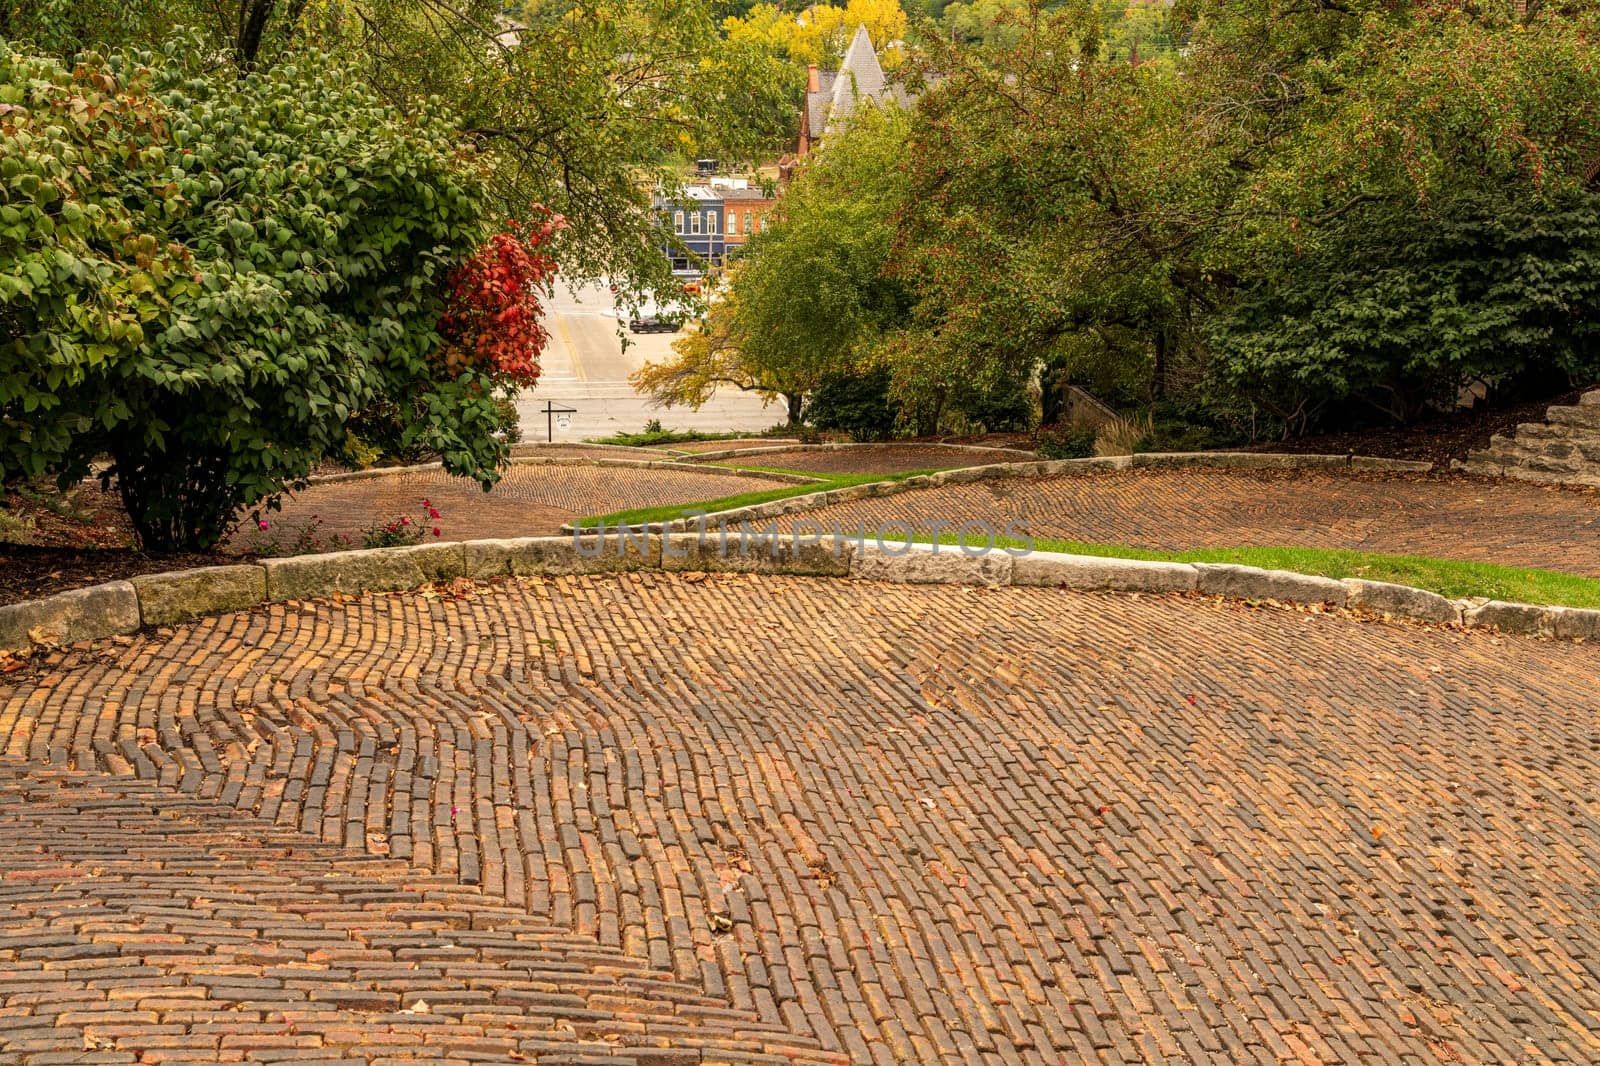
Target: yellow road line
572, 349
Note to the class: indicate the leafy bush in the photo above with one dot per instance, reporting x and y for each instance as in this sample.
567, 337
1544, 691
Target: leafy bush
402, 530
1401, 310
207, 279
854, 402
1064, 442
1192, 424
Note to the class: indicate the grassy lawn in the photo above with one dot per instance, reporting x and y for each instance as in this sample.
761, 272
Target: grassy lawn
642, 515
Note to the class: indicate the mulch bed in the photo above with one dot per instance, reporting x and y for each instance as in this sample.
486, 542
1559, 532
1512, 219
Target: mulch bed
28, 572
76, 539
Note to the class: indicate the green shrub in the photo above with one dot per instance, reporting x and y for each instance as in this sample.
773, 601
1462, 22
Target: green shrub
856, 403
208, 278
1064, 442
1402, 307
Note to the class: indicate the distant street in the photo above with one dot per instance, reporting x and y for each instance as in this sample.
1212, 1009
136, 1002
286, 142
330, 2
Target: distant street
585, 367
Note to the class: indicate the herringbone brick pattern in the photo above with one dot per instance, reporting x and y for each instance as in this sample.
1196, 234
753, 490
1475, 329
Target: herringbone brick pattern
900, 824
139, 925
876, 459
695, 446
530, 500
1508, 522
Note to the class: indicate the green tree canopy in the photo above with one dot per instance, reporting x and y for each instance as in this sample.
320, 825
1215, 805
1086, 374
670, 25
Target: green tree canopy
206, 279
585, 109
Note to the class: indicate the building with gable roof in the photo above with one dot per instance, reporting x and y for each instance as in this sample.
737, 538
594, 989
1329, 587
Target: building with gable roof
833, 95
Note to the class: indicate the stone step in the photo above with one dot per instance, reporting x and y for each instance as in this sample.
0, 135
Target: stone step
1490, 467
1590, 398
1586, 416
1510, 457
1529, 432
1556, 449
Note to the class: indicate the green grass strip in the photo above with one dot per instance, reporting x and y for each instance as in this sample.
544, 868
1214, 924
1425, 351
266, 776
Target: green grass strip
670, 512
1448, 577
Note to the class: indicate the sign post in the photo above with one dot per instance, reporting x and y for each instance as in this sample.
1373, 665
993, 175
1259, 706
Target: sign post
550, 421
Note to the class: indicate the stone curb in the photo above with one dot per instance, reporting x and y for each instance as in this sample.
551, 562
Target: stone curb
91, 613
165, 599
121, 607
665, 463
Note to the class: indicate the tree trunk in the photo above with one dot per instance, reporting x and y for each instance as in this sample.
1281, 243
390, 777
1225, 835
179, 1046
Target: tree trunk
795, 402
1159, 386
253, 19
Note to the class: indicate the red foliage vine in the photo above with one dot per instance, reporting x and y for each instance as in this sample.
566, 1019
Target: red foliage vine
491, 318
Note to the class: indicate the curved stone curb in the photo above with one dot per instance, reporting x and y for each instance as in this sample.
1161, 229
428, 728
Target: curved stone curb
121, 607
165, 599
665, 463
1038, 469
91, 613
734, 453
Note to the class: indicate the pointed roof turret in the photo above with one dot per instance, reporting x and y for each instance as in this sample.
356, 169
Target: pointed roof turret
860, 77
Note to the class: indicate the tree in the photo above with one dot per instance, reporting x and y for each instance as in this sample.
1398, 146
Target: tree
821, 32
716, 354
585, 110
1257, 199
252, 262
810, 295
1056, 205
1426, 219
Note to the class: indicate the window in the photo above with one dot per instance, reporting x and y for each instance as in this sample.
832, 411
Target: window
694, 222
733, 225
711, 222
747, 223
677, 222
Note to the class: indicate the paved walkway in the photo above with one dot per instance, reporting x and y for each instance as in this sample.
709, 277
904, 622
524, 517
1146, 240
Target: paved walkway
530, 500
763, 820
876, 459
1507, 522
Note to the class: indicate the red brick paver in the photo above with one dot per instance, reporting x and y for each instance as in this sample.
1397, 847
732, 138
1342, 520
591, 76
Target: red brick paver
695, 446
530, 500
139, 922
906, 824
1508, 522
587, 451
877, 459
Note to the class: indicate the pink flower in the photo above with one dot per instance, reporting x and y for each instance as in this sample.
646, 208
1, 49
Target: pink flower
404, 520
436, 531
262, 523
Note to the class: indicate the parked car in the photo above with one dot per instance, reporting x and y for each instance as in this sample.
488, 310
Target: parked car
650, 322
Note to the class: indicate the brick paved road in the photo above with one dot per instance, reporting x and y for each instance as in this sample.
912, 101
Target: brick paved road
1508, 522
693, 446
878, 459
531, 500
893, 823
